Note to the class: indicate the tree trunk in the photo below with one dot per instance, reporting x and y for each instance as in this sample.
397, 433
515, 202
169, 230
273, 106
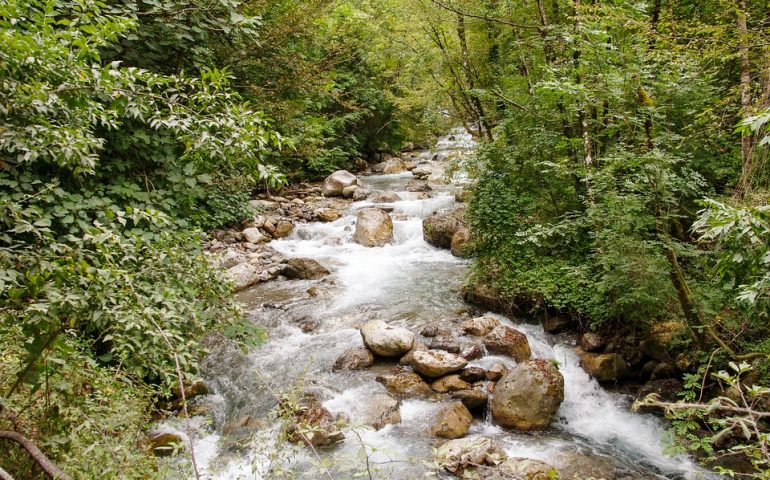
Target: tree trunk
744, 185
484, 128
588, 158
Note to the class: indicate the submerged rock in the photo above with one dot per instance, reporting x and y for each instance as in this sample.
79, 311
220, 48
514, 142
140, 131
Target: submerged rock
404, 384
313, 424
386, 340
452, 421
524, 469
304, 269
382, 409
374, 227
356, 358
335, 183
528, 396
508, 341
436, 363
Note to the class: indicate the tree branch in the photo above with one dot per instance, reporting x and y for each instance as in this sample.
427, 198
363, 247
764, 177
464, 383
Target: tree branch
485, 18
47, 465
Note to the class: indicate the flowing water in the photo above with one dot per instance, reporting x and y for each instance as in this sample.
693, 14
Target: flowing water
412, 284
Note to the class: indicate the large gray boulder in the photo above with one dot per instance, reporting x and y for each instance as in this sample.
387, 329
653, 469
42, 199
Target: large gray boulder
439, 228
374, 227
337, 182
528, 396
386, 340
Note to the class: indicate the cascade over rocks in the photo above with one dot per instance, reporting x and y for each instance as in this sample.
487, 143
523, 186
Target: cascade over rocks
386, 340
337, 182
436, 363
374, 227
505, 340
528, 396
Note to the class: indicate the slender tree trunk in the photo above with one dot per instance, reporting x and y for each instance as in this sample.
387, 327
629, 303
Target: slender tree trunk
484, 127
743, 51
588, 158
544, 31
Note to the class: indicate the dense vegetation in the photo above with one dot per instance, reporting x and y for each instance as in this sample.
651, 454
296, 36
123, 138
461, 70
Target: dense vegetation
622, 177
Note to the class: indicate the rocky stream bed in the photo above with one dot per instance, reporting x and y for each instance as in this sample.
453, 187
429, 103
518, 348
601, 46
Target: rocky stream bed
374, 365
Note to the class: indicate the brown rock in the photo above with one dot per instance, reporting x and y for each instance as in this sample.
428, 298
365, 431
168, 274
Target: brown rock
479, 326
436, 363
591, 342
166, 444
382, 409
472, 374
496, 372
304, 269
453, 421
474, 399
374, 227
328, 215
528, 396
605, 367
450, 383
283, 229
356, 358
404, 384
555, 324
461, 243
508, 341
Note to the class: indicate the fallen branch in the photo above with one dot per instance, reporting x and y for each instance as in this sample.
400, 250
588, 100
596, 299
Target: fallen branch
714, 405
5, 475
47, 465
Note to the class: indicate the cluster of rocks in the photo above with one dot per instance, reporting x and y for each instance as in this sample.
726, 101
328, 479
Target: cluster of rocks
435, 365
648, 357
481, 457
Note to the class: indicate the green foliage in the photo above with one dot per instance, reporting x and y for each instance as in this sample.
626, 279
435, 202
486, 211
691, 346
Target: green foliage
107, 172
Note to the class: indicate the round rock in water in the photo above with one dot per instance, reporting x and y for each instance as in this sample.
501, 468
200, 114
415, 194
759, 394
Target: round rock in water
508, 341
528, 396
437, 363
337, 182
374, 227
386, 340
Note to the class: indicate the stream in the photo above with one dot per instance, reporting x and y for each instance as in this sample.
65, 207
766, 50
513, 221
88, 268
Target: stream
412, 284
